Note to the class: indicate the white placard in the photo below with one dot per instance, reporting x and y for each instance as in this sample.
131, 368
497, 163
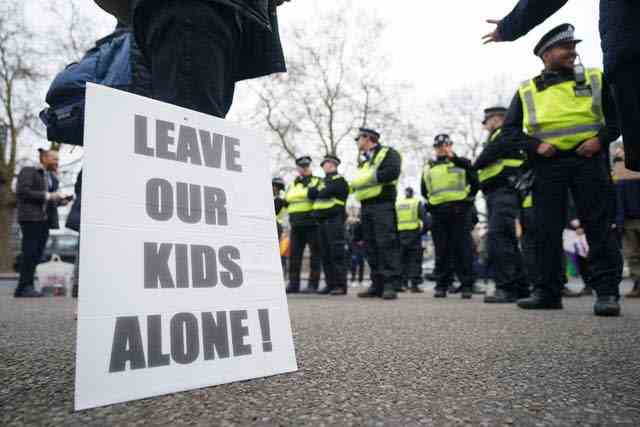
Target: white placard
181, 285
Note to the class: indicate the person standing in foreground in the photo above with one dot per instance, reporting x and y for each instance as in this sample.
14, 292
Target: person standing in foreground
304, 227
38, 200
375, 188
620, 34
330, 199
411, 226
191, 53
499, 166
563, 111
449, 185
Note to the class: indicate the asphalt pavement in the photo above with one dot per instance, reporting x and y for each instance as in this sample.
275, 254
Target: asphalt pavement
414, 361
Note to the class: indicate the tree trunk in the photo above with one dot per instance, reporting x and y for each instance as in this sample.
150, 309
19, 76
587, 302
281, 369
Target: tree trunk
7, 248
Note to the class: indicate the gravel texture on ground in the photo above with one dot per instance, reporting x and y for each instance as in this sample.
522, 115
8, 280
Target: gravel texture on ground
414, 361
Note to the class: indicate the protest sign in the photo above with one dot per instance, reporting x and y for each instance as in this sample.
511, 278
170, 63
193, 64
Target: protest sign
181, 284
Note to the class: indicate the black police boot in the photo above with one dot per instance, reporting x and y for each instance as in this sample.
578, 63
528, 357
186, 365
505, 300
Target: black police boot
26, 293
415, 289
440, 293
523, 292
339, 290
541, 301
326, 290
467, 292
389, 292
607, 306
312, 288
500, 297
293, 289
370, 292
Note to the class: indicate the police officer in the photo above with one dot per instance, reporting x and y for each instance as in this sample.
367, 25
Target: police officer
375, 187
330, 199
304, 227
499, 166
411, 225
562, 111
449, 184
277, 186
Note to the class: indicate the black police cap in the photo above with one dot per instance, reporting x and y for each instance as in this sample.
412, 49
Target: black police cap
304, 161
564, 33
368, 132
278, 182
442, 139
493, 111
331, 158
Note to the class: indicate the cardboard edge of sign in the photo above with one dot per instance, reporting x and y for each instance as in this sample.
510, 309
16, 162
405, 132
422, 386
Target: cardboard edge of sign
89, 405
79, 404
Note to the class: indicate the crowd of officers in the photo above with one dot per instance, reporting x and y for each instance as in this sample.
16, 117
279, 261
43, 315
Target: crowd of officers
552, 142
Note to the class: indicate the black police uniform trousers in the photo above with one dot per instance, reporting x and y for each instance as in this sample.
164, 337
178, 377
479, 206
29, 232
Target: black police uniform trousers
411, 256
528, 244
34, 240
382, 248
301, 236
332, 247
451, 232
590, 185
503, 205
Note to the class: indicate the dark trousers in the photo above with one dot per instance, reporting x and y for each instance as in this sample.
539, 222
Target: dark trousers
626, 91
300, 237
504, 251
411, 256
191, 48
451, 232
528, 243
589, 183
332, 246
382, 248
34, 240
357, 266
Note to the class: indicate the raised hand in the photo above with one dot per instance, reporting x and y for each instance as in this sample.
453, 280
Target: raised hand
494, 36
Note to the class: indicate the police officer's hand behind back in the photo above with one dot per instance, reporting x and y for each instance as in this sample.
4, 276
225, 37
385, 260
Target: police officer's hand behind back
546, 150
589, 147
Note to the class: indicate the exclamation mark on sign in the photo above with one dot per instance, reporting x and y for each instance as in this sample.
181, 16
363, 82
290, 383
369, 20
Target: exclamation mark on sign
266, 330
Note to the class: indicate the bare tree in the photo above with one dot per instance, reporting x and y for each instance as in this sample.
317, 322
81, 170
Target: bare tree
18, 77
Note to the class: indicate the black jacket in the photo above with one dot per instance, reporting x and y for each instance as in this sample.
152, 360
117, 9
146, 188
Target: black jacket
619, 29
31, 192
497, 149
513, 124
261, 53
388, 172
472, 180
333, 188
73, 220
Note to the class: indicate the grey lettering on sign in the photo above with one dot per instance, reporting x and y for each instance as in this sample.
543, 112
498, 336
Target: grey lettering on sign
159, 201
164, 140
204, 271
189, 202
182, 266
127, 345
154, 343
185, 343
188, 150
232, 278
211, 149
239, 332
215, 206
156, 265
140, 136
215, 337
232, 153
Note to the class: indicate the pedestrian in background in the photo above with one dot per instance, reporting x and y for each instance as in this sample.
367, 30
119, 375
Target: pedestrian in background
73, 223
38, 199
356, 248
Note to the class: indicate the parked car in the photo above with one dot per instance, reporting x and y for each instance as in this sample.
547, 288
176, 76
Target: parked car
64, 245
